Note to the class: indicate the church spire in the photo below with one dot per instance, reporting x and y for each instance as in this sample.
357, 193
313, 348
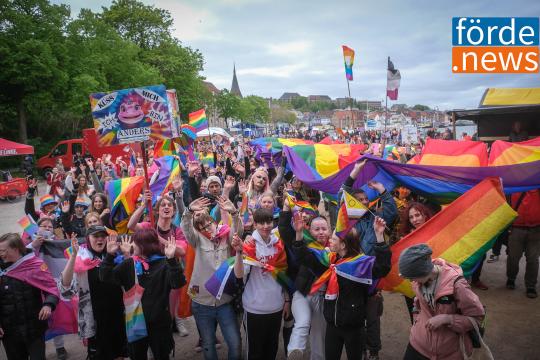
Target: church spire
235, 89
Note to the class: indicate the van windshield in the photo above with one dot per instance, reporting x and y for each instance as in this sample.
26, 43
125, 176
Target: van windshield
60, 150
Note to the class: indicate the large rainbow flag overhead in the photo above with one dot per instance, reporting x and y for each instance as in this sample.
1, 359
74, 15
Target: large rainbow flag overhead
198, 120
123, 195
348, 59
461, 233
441, 184
326, 160
453, 153
507, 153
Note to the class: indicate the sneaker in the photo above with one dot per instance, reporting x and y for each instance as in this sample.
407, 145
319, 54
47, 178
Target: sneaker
180, 325
531, 293
296, 354
480, 285
493, 258
510, 284
61, 353
198, 347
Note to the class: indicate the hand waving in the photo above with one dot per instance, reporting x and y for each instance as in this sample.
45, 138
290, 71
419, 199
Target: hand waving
170, 248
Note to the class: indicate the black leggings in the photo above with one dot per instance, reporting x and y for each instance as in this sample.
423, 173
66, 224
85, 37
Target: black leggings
160, 342
352, 337
263, 335
412, 354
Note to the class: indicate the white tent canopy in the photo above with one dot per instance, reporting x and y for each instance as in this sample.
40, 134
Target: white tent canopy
213, 131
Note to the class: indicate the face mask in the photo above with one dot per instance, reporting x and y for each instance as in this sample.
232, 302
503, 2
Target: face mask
207, 233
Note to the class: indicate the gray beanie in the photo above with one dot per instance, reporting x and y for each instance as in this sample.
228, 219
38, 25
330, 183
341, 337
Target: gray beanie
415, 261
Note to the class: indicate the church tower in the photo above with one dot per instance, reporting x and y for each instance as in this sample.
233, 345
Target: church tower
235, 89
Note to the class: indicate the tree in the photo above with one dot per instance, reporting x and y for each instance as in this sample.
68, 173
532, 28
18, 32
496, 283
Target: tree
32, 56
300, 103
280, 114
419, 107
228, 105
145, 25
257, 109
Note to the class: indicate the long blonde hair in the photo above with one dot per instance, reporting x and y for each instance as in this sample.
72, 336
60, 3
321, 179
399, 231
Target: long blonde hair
251, 191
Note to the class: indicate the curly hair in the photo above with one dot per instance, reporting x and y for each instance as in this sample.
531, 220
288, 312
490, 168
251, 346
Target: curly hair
405, 225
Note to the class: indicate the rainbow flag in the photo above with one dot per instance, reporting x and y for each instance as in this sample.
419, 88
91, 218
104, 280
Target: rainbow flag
507, 153
303, 205
454, 153
244, 209
326, 160
461, 233
391, 152
169, 168
358, 269
198, 120
343, 223
29, 225
123, 195
222, 281
164, 148
189, 131
348, 59
207, 159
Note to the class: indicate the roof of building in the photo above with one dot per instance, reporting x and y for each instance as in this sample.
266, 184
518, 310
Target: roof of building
235, 89
289, 96
211, 87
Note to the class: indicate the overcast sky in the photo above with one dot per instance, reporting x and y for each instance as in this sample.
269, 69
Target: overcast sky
295, 46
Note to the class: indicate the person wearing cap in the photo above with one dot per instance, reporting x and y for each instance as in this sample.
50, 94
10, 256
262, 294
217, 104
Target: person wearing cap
443, 306
101, 307
73, 222
47, 203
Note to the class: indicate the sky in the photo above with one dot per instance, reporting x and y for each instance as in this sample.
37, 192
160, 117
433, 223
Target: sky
295, 46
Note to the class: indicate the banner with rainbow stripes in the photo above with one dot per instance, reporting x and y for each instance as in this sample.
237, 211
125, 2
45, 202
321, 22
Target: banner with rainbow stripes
461, 233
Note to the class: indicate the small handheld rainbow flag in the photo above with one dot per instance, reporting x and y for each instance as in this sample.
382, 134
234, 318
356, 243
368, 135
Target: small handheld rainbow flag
28, 224
244, 209
303, 205
164, 148
189, 131
198, 120
343, 223
355, 209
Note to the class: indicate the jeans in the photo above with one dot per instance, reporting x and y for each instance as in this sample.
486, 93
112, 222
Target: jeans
523, 239
206, 318
308, 321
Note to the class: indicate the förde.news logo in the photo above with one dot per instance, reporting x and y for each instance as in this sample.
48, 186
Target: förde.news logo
495, 45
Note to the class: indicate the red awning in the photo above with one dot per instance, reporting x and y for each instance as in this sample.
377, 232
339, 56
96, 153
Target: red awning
10, 148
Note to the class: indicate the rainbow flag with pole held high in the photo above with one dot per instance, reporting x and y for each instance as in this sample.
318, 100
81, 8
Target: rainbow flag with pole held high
461, 233
123, 195
198, 120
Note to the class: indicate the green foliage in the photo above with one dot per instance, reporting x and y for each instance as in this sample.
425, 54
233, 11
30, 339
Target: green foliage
419, 107
51, 63
228, 105
281, 114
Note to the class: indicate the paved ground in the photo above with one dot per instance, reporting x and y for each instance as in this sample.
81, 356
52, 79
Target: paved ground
513, 330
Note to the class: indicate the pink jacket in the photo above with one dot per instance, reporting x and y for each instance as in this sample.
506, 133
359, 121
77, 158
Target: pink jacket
443, 343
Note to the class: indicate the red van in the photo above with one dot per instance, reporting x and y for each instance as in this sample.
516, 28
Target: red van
65, 150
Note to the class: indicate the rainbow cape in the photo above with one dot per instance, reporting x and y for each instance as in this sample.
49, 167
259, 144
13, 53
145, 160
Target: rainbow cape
358, 269
461, 233
198, 120
169, 168
507, 153
123, 195
348, 60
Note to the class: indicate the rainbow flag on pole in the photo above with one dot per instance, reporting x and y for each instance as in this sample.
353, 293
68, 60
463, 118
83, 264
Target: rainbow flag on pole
164, 148
461, 233
198, 120
123, 195
169, 168
348, 59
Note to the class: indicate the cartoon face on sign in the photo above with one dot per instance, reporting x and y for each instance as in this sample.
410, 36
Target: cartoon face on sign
131, 115
131, 112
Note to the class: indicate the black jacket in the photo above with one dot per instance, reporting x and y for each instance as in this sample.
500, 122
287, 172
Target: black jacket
303, 268
161, 276
349, 309
20, 304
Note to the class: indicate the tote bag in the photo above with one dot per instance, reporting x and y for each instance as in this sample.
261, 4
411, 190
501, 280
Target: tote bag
481, 353
134, 316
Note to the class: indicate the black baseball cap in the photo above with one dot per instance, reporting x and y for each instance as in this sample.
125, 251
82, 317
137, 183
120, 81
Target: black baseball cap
96, 229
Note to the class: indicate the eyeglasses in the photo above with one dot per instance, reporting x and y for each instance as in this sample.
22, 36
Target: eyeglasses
207, 226
42, 226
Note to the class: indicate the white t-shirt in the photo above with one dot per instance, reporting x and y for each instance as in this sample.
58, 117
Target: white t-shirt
262, 294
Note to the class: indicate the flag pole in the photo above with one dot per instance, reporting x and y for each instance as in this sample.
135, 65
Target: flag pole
350, 100
146, 181
386, 102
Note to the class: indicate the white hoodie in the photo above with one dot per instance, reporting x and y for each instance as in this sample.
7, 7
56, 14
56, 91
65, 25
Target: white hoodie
262, 294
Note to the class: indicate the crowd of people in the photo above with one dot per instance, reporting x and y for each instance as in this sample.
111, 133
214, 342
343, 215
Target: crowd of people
131, 289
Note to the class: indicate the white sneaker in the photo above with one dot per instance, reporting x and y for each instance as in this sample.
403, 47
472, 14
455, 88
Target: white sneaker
180, 325
296, 354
